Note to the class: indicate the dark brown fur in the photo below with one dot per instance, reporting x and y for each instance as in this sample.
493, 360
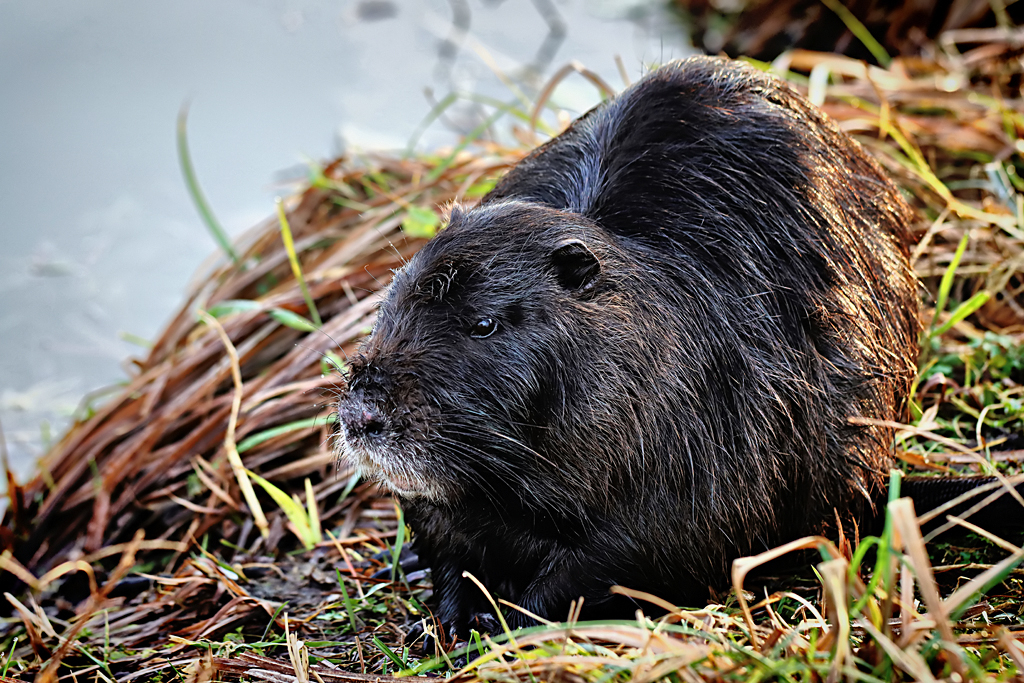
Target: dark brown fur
637, 359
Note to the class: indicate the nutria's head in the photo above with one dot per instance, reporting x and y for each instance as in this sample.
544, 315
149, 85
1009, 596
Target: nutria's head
458, 387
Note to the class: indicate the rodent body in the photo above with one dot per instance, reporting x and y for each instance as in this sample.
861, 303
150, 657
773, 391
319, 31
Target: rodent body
638, 358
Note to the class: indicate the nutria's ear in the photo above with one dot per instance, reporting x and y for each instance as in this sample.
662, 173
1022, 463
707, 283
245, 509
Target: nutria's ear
453, 213
575, 265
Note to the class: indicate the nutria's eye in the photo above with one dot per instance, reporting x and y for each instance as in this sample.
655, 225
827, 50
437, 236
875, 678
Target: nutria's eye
484, 327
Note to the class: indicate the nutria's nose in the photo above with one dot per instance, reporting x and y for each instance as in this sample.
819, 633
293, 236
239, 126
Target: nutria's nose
360, 418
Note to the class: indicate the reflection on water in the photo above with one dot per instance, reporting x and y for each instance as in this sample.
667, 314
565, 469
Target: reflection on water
98, 235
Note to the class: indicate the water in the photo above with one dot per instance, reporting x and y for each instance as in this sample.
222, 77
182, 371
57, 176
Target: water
99, 237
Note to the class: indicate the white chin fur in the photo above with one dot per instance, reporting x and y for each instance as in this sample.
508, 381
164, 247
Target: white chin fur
400, 483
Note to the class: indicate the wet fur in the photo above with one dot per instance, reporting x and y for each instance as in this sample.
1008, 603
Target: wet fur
697, 285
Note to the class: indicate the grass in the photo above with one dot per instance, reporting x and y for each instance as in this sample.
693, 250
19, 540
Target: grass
195, 191
138, 554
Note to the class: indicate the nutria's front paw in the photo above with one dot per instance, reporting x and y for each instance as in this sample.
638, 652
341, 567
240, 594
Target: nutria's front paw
484, 622
455, 637
419, 637
459, 637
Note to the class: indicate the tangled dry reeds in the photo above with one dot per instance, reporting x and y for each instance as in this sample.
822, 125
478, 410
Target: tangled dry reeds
143, 548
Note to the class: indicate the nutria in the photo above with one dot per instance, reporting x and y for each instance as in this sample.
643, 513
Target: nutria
638, 357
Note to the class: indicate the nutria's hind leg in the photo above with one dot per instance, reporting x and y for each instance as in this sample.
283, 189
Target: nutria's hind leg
562, 580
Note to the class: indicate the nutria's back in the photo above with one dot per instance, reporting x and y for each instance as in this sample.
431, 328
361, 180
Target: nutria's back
637, 359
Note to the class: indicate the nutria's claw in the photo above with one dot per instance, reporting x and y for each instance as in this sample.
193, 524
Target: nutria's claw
429, 646
457, 638
484, 622
419, 632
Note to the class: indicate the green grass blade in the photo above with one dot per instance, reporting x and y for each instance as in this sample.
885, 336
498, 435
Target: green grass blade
389, 653
433, 115
350, 604
292, 509
969, 594
312, 513
10, 656
396, 550
267, 434
292, 320
293, 259
860, 31
281, 315
884, 543
273, 619
353, 481
331, 363
516, 111
233, 306
963, 310
895, 481
942, 298
473, 135
420, 221
194, 191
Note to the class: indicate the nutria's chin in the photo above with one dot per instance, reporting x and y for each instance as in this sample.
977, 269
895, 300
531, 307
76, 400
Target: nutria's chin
389, 467
638, 358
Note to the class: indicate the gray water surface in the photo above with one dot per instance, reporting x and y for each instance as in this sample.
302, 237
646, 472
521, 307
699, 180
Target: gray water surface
98, 237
